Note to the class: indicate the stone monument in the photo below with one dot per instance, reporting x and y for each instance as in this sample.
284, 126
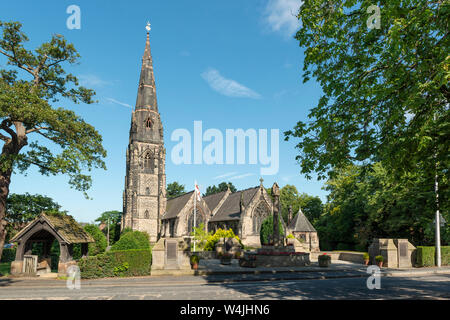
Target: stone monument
171, 254
397, 253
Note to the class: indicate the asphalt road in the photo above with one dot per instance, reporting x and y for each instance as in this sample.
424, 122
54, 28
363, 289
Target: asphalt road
201, 288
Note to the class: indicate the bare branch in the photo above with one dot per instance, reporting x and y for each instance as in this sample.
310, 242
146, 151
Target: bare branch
36, 129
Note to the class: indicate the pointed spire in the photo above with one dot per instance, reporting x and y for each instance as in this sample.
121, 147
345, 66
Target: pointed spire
146, 98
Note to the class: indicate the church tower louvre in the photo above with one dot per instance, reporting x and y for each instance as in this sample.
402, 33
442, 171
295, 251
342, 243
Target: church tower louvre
144, 198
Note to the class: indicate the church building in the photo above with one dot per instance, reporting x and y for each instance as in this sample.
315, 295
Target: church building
145, 206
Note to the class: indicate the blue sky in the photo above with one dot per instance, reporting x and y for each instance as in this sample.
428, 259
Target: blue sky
247, 47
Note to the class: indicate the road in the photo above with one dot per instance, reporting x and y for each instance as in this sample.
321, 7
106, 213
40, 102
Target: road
200, 288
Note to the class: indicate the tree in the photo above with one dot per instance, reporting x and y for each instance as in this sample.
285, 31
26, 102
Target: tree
266, 232
114, 217
100, 244
175, 189
385, 91
371, 203
23, 208
223, 186
26, 112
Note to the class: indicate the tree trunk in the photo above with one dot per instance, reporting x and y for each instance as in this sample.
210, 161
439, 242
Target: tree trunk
5, 180
12, 147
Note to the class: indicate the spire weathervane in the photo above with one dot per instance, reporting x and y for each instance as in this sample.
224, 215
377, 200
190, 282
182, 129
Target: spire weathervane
148, 27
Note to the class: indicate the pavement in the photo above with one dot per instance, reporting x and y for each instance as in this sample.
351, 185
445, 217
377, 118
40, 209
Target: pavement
213, 271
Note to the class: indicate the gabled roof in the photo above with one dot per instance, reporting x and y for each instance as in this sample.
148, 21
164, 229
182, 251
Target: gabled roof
231, 208
175, 205
64, 225
300, 223
213, 200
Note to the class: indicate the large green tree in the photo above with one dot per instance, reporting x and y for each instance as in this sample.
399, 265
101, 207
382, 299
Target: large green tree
223, 186
30, 82
174, 189
385, 90
371, 203
23, 208
114, 217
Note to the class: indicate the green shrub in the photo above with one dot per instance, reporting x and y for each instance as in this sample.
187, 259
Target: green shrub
8, 255
100, 244
195, 259
124, 263
324, 257
426, 256
366, 256
136, 240
290, 236
220, 233
267, 230
379, 259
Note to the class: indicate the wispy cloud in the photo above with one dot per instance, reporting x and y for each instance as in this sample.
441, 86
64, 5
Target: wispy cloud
91, 80
227, 87
241, 176
119, 102
281, 15
225, 175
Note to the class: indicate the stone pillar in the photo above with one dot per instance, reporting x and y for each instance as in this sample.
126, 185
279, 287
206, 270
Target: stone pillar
276, 209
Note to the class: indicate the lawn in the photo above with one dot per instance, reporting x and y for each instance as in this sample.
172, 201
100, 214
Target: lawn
5, 268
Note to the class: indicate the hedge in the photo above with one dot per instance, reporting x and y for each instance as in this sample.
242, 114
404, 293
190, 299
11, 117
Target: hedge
425, 256
130, 240
123, 263
8, 255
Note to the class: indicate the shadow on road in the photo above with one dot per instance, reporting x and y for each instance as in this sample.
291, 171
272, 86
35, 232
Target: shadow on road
344, 288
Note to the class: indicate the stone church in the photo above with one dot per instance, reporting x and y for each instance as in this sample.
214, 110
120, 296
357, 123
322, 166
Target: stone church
145, 206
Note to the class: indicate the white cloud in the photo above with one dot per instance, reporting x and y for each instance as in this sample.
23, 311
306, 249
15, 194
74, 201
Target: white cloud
281, 15
91, 80
119, 102
241, 176
227, 87
225, 175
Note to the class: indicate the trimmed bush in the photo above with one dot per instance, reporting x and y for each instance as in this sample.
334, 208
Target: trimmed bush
100, 244
124, 263
136, 240
8, 255
220, 233
267, 230
425, 256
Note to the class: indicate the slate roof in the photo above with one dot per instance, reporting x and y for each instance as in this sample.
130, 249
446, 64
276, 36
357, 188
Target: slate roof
300, 223
231, 208
64, 225
175, 205
213, 200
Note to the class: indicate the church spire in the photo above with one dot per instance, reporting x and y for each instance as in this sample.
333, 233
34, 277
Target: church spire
146, 98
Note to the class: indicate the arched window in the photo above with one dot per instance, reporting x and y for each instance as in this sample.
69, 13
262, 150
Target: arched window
147, 191
146, 214
198, 220
148, 161
259, 214
148, 123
